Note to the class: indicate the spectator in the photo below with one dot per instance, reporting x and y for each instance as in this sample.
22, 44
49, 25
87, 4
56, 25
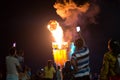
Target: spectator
67, 71
58, 73
80, 60
108, 70
49, 71
25, 74
20, 57
12, 65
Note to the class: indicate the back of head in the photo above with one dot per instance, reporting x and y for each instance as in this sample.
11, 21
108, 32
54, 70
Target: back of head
12, 51
58, 67
114, 46
68, 64
21, 53
49, 62
79, 43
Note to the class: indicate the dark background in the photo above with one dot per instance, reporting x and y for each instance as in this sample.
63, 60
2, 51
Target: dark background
25, 22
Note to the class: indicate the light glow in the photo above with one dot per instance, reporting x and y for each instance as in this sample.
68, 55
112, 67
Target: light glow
60, 56
78, 28
56, 31
14, 44
59, 46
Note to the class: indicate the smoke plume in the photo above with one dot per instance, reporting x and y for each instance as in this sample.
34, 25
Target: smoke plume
74, 14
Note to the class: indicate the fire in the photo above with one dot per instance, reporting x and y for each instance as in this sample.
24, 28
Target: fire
59, 46
56, 31
73, 14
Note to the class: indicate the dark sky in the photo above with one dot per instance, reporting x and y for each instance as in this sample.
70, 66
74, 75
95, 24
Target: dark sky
25, 22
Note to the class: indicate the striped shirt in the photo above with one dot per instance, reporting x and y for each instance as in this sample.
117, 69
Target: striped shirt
81, 57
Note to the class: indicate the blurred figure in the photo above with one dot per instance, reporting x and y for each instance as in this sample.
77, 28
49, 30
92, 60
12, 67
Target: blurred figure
20, 57
39, 75
49, 71
12, 65
67, 71
29, 73
58, 73
55, 66
80, 60
108, 70
26, 74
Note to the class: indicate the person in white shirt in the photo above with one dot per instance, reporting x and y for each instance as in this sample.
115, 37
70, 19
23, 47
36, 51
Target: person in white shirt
12, 64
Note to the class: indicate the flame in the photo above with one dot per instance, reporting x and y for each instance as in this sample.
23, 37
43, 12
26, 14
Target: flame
56, 31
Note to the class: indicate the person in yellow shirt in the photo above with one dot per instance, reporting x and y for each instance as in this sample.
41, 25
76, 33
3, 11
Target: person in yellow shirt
49, 71
108, 71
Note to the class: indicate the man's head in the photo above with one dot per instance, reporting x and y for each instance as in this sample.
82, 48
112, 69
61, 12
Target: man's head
50, 63
114, 45
79, 43
67, 64
12, 51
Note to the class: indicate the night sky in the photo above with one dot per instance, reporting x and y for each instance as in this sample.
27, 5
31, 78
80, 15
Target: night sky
25, 22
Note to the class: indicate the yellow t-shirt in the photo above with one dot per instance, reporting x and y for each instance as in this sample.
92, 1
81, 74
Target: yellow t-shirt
108, 66
49, 72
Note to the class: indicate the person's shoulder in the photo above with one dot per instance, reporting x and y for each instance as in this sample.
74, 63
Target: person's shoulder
108, 54
85, 48
7, 57
15, 59
45, 67
52, 67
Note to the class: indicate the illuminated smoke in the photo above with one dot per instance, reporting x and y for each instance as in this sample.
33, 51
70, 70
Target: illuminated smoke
76, 15
70, 11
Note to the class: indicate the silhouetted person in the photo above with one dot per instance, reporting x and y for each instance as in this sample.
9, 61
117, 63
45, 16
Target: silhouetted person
58, 73
67, 71
20, 57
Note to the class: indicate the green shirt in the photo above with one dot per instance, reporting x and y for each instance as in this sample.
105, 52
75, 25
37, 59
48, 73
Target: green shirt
108, 67
49, 72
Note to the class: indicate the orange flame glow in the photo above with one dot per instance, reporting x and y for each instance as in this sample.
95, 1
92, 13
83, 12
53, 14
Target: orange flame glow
67, 8
56, 31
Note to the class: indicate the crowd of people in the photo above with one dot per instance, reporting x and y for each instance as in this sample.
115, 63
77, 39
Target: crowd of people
77, 68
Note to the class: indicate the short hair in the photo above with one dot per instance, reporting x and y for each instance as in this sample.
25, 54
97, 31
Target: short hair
12, 51
79, 43
114, 45
49, 61
58, 67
